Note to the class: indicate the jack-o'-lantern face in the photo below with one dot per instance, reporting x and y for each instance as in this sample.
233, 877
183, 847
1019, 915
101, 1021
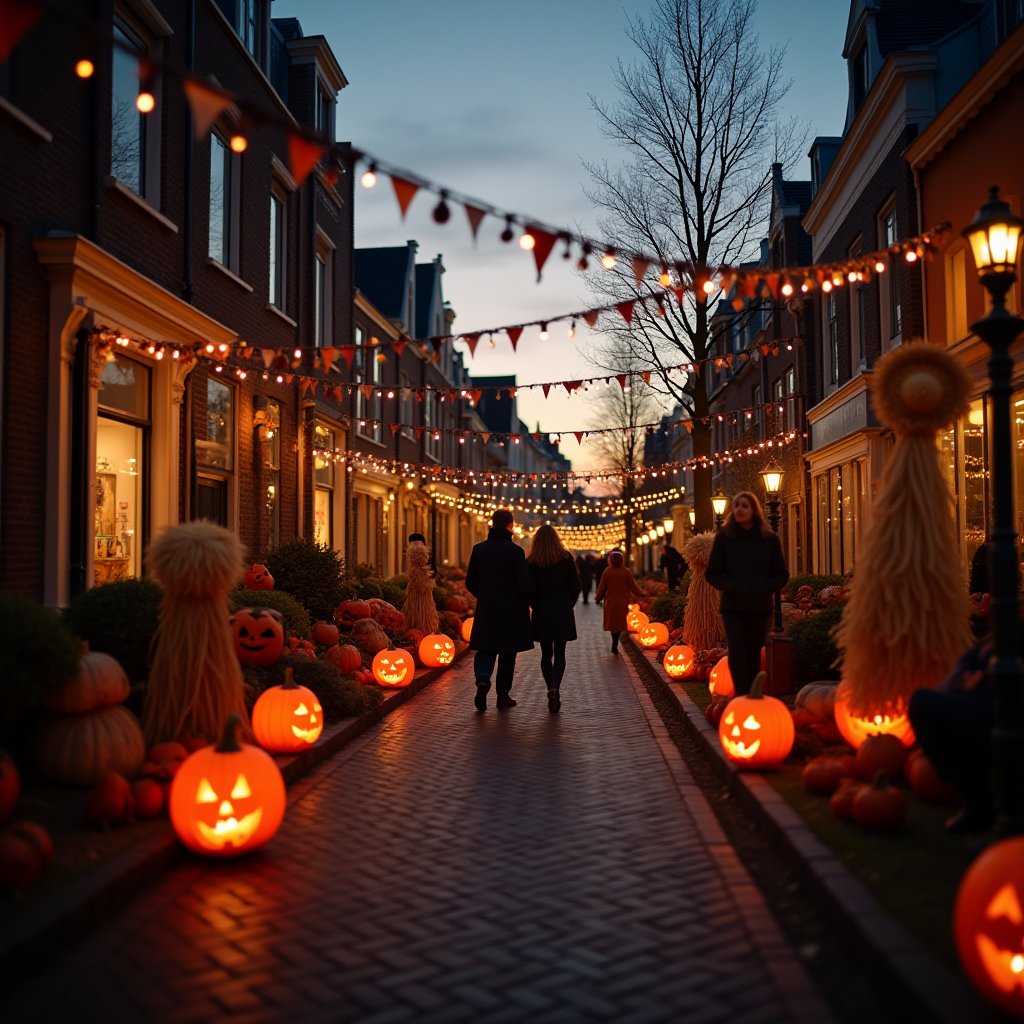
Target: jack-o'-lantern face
308, 721
741, 741
988, 924
636, 620
436, 650
258, 635
720, 681
226, 819
393, 668
857, 728
257, 577
756, 731
654, 635
679, 661
288, 717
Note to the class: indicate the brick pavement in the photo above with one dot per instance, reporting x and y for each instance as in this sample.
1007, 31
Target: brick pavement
450, 866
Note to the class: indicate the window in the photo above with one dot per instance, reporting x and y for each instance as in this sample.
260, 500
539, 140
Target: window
832, 332
956, 295
127, 125
324, 440
368, 402
1009, 14
214, 424
859, 76
324, 113
431, 421
268, 420
405, 406
225, 204
278, 247
323, 326
889, 283
757, 401
251, 20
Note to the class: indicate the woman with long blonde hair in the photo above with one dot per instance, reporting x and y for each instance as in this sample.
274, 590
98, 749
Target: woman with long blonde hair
554, 622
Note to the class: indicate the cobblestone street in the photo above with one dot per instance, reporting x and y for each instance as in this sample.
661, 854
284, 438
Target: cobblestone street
455, 866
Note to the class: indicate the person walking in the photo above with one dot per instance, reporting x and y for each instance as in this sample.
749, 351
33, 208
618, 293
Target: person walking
746, 564
673, 564
616, 587
556, 587
585, 572
498, 578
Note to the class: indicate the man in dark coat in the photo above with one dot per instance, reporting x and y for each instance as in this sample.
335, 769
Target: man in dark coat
500, 581
585, 572
673, 563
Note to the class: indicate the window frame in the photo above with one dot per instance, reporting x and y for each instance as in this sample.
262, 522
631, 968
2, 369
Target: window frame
323, 290
232, 162
277, 257
830, 310
891, 302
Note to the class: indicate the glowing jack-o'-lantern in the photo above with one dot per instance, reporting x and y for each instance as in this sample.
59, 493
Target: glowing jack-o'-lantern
856, 729
654, 635
258, 634
756, 731
288, 717
467, 629
988, 924
436, 650
228, 799
720, 681
393, 668
636, 620
257, 577
679, 661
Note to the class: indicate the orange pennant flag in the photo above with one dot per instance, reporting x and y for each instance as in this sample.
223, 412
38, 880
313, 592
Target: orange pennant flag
513, 335
646, 374
485, 435
348, 353
546, 388
471, 342
579, 436
16, 18
268, 357
621, 378
475, 216
477, 394
206, 105
626, 309
590, 317
404, 192
399, 347
303, 156
543, 243
327, 357
640, 268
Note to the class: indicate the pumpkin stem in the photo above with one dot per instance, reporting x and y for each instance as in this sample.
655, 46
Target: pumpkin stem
289, 679
229, 743
755, 687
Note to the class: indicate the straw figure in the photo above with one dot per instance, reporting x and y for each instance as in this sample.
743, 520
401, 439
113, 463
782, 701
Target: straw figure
195, 680
702, 622
907, 618
418, 608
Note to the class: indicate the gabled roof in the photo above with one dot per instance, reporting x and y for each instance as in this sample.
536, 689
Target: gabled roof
909, 24
380, 276
795, 193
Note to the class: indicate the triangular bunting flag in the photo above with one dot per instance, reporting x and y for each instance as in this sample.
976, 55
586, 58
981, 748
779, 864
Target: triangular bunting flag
268, 357
626, 309
418, 431
399, 347
404, 192
471, 341
366, 390
568, 385
477, 394
579, 436
546, 388
303, 156
536, 437
621, 378
640, 268
327, 357
16, 18
543, 243
348, 353
689, 426
395, 427
485, 436
513, 335
590, 317
206, 105
646, 374
475, 216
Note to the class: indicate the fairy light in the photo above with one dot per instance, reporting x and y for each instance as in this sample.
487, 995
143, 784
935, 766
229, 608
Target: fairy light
544, 335
910, 256
238, 143
527, 241
145, 102
85, 68
369, 177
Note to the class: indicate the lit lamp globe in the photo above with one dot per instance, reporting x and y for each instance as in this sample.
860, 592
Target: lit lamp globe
668, 524
994, 235
719, 503
772, 477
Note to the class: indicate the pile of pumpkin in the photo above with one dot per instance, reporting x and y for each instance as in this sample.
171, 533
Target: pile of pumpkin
26, 848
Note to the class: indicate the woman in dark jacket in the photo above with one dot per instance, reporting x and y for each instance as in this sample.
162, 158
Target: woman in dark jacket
747, 566
557, 586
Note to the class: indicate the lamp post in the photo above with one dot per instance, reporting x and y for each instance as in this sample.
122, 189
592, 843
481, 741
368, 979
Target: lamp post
693, 518
772, 477
668, 524
718, 503
994, 235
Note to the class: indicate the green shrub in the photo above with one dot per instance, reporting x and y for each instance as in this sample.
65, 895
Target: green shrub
339, 696
310, 572
119, 619
661, 607
815, 582
367, 588
296, 618
814, 650
37, 653
393, 590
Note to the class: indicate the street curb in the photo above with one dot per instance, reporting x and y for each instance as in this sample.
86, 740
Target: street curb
33, 938
903, 965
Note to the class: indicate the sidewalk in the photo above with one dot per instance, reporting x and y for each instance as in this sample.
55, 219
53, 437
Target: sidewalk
451, 866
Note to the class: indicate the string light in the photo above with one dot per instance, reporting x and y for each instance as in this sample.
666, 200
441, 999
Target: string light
369, 176
85, 68
527, 241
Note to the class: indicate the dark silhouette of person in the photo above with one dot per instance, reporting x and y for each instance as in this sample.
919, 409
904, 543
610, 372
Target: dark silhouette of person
498, 578
672, 563
585, 572
415, 537
557, 586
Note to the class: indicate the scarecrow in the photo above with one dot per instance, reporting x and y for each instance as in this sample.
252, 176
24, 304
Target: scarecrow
418, 608
702, 621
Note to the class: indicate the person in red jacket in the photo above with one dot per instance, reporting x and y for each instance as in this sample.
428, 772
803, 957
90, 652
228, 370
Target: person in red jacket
746, 564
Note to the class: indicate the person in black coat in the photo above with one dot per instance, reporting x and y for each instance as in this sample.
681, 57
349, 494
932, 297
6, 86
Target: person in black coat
673, 563
556, 588
585, 572
747, 565
498, 578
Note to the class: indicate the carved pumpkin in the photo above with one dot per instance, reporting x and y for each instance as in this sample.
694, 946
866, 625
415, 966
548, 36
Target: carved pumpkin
393, 668
288, 717
988, 924
99, 683
635, 620
756, 731
720, 682
467, 629
257, 577
228, 799
857, 729
258, 634
679, 661
653, 636
436, 650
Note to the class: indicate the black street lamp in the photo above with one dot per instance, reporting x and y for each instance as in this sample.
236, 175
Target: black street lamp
772, 477
994, 235
718, 503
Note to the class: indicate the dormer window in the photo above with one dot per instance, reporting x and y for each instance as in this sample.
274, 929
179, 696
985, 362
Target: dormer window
859, 76
324, 110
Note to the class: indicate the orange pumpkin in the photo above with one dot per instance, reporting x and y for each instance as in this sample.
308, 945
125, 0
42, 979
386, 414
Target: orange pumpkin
856, 729
756, 731
258, 577
467, 629
344, 657
393, 668
10, 784
720, 682
324, 634
635, 620
350, 611
288, 717
988, 924
653, 636
228, 799
99, 683
258, 634
78, 750
436, 650
679, 661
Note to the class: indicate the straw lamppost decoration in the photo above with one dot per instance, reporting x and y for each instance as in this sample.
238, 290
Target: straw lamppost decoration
994, 235
718, 503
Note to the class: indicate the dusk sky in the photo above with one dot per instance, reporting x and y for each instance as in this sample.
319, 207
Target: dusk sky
491, 99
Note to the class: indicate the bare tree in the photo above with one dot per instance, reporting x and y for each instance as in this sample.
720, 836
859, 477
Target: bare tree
697, 116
